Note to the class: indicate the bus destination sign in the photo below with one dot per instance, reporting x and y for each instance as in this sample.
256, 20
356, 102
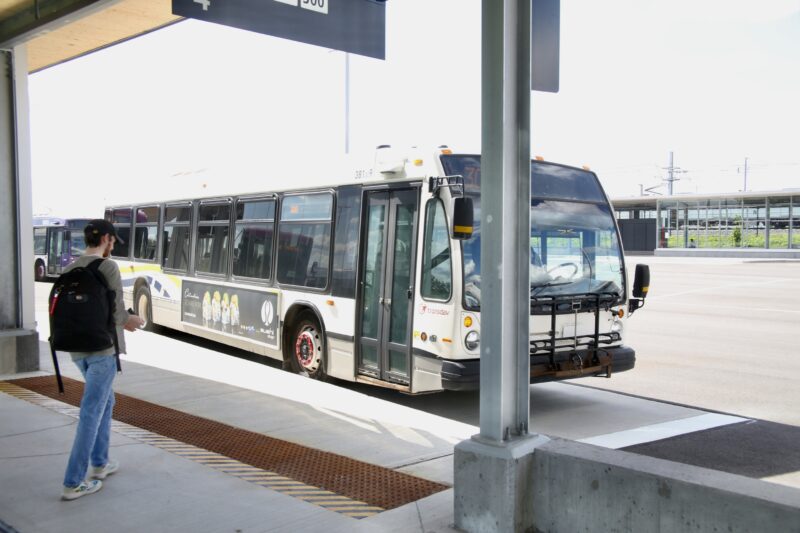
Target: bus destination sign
355, 26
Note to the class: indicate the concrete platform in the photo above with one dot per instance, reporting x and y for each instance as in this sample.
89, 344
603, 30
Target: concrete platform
739, 253
156, 490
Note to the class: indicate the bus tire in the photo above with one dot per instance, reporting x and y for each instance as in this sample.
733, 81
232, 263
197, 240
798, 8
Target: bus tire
143, 307
307, 348
39, 272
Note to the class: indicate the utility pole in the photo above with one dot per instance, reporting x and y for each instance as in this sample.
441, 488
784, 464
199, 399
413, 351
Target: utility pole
745, 175
671, 171
671, 177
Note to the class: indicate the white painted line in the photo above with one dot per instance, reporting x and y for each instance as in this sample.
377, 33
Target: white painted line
621, 439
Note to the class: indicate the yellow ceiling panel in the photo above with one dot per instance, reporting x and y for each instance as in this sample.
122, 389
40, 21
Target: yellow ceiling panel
122, 20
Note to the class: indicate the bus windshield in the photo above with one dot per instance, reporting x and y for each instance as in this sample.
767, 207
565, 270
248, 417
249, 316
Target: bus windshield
574, 248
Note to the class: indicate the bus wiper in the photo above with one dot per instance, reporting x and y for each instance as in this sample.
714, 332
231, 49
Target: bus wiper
552, 283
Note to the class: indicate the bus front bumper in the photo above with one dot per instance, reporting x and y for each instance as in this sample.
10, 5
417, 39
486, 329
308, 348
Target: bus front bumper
463, 375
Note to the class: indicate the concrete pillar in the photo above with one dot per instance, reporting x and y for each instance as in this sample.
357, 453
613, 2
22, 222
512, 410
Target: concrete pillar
18, 336
494, 484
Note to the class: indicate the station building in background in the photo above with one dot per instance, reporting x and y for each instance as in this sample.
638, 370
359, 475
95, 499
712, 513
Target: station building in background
743, 221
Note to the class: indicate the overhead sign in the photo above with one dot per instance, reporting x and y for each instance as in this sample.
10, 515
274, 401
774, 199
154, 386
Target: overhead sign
356, 26
545, 35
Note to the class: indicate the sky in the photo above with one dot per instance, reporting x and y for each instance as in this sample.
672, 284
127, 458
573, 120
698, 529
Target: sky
199, 109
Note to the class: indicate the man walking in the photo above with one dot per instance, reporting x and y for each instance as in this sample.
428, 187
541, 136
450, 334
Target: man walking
98, 369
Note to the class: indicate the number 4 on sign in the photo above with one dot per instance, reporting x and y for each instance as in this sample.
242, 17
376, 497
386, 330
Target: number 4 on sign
204, 3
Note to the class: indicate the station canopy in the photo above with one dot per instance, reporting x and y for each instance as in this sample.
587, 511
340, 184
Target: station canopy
59, 30
76, 34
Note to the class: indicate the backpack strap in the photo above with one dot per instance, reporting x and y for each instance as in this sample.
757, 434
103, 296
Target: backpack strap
55, 367
94, 268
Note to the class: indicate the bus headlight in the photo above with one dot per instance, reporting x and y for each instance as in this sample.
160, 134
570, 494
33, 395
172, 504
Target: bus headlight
472, 340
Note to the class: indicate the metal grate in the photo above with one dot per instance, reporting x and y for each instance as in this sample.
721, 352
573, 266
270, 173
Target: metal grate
375, 485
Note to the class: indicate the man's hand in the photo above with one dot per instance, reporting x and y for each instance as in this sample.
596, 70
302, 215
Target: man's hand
133, 323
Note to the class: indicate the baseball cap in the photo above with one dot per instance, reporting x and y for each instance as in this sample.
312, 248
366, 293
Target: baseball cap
101, 227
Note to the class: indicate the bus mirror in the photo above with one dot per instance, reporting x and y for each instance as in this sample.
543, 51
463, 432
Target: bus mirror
641, 281
462, 218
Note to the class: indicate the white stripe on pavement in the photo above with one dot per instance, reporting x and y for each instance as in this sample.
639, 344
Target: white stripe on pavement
639, 435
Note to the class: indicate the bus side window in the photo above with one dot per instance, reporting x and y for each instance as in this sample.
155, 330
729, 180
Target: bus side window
252, 246
176, 237
345, 248
164, 246
39, 241
121, 218
304, 239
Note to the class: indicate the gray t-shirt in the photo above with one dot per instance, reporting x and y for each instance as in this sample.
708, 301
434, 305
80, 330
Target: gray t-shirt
110, 270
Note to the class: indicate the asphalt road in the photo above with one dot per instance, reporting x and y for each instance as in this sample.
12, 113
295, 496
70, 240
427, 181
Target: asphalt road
720, 334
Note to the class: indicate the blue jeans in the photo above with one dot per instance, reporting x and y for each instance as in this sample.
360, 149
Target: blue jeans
94, 425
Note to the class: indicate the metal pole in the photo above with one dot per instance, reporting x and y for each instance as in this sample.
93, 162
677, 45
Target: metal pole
347, 102
686, 227
671, 178
745, 175
658, 224
791, 222
505, 219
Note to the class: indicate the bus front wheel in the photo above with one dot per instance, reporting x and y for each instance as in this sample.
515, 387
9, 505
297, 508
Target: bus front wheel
143, 307
39, 271
307, 348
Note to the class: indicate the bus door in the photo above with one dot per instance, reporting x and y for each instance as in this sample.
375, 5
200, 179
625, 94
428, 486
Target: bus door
386, 283
56, 250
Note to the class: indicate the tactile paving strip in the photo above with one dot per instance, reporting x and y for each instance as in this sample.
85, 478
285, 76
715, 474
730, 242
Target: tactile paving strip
316, 470
322, 498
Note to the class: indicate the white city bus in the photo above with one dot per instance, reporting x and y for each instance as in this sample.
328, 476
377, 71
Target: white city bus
57, 242
374, 281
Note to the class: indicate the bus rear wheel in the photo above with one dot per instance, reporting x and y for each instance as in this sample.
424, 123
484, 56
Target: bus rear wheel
307, 348
143, 307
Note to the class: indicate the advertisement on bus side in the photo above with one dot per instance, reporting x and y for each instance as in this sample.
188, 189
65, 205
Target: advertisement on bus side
231, 310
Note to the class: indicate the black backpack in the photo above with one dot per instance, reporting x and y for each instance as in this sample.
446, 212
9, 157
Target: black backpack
81, 313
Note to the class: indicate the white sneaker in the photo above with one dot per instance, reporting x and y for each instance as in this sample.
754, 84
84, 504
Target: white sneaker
86, 487
102, 472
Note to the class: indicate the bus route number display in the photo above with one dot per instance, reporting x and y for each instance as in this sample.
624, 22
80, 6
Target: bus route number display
320, 6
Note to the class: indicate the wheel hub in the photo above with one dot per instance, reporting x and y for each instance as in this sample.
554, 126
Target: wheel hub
306, 350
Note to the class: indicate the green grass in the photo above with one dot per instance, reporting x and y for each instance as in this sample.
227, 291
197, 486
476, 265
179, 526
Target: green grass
748, 240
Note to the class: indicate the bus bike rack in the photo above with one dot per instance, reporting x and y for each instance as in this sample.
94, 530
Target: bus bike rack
583, 348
